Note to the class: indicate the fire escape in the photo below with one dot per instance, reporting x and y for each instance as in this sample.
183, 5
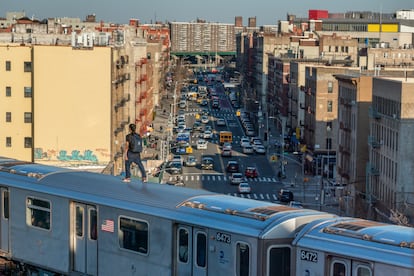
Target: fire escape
143, 100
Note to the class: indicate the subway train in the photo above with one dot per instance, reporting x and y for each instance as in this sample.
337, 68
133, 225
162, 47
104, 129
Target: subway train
57, 221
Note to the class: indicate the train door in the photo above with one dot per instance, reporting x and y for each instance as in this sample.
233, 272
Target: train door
84, 238
4, 220
191, 251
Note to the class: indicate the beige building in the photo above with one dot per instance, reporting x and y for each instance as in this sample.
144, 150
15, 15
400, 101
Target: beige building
71, 105
390, 171
16, 115
321, 117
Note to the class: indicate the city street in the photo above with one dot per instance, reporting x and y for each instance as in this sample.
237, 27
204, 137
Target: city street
264, 187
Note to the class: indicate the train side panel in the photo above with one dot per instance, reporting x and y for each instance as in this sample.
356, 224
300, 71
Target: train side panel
133, 243
231, 254
39, 229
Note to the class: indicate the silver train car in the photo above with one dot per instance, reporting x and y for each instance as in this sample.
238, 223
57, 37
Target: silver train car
56, 221
351, 246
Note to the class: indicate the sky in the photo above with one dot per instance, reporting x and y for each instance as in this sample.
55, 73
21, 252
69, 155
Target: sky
267, 12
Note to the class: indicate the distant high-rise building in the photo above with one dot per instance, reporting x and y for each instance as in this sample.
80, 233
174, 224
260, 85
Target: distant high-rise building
238, 21
252, 22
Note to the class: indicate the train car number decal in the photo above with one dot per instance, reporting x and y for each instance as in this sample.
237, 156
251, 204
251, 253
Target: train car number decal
310, 256
221, 237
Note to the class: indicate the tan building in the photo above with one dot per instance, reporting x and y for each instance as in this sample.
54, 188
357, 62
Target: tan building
321, 117
16, 115
71, 106
390, 172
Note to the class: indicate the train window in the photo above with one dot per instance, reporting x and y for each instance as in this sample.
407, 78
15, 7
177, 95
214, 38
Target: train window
38, 213
79, 221
93, 221
183, 245
279, 261
338, 269
133, 235
363, 270
201, 249
243, 259
6, 204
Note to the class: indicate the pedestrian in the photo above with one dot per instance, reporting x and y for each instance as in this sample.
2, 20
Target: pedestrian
133, 149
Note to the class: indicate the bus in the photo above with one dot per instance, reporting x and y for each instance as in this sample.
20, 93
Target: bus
225, 136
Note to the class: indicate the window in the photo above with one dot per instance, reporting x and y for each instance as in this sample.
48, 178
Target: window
27, 142
27, 66
183, 245
8, 142
279, 261
6, 204
243, 258
330, 86
330, 106
363, 270
328, 143
201, 250
339, 269
8, 65
93, 222
133, 235
38, 213
8, 91
8, 117
79, 221
27, 92
28, 117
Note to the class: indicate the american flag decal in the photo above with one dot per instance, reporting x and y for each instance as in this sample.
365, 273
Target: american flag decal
108, 226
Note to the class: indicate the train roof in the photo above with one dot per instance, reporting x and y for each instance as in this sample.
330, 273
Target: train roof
384, 243
185, 205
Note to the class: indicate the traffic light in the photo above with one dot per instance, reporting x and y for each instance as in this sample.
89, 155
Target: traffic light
265, 136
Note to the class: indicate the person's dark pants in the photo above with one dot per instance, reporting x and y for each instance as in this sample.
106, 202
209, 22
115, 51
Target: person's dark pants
134, 158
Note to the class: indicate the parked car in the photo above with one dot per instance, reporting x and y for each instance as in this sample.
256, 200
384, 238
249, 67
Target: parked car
177, 158
260, 149
207, 163
207, 134
226, 152
227, 145
247, 149
244, 141
244, 188
190, 161
251, 172
174, 167
221, 122
232, 166
204, 119
202, 144
236, 178
197, 126
285, 195
250, 132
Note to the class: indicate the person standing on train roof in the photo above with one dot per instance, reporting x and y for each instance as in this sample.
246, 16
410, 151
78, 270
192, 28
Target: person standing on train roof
133, 149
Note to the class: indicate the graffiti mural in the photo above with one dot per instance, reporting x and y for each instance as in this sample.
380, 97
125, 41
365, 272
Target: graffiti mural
88, 156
